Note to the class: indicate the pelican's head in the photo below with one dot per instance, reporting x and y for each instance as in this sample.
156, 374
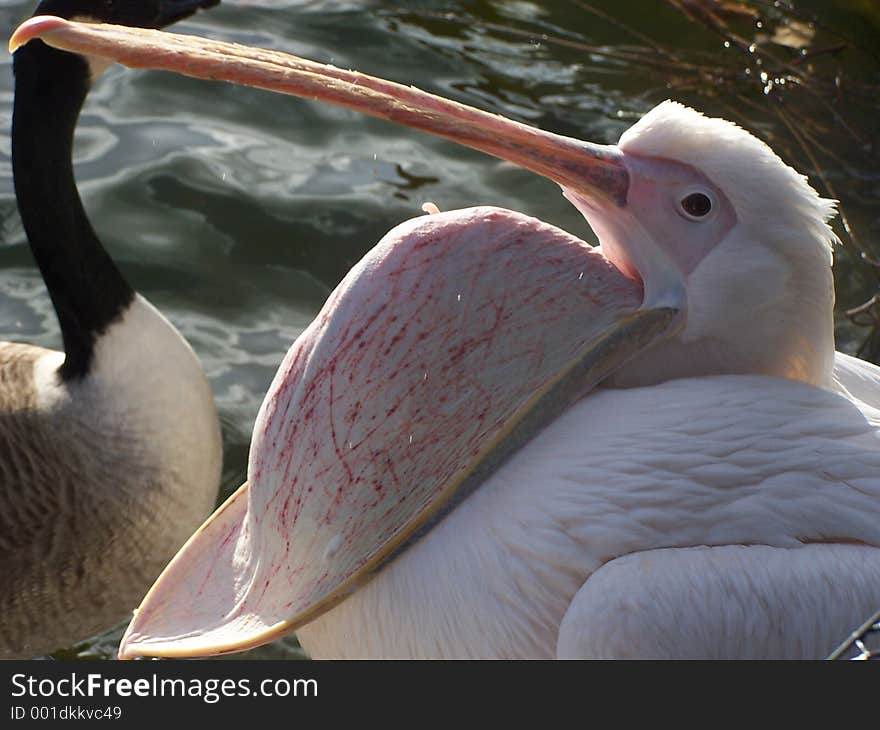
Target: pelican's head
715, 223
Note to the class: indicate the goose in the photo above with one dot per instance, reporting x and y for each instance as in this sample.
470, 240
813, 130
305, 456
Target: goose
111, 448
496, 442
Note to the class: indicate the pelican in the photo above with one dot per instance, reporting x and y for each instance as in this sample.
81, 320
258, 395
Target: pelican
497, 442
110, 449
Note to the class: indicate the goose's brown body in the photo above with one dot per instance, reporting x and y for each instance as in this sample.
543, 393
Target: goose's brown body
101, 480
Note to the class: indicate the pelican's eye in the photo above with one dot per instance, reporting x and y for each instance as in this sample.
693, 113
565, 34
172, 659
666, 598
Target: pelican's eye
696, 205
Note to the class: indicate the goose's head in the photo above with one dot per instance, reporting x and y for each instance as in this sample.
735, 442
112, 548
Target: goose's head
131, 13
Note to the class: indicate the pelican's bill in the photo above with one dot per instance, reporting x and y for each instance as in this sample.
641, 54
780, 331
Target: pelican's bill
454, 341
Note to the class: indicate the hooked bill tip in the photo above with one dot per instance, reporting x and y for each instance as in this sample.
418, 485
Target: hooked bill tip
34, 28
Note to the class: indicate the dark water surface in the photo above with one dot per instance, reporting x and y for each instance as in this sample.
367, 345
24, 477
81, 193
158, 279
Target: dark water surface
236, 212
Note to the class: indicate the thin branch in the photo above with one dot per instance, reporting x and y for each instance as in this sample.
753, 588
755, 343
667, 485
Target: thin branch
625, 28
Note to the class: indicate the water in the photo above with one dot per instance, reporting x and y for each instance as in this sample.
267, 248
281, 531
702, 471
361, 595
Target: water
236, 212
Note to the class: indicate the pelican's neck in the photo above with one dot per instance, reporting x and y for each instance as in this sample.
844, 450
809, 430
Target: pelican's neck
87, 290
756, 307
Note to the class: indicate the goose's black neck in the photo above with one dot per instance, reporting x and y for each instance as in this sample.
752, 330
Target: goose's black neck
87, 290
